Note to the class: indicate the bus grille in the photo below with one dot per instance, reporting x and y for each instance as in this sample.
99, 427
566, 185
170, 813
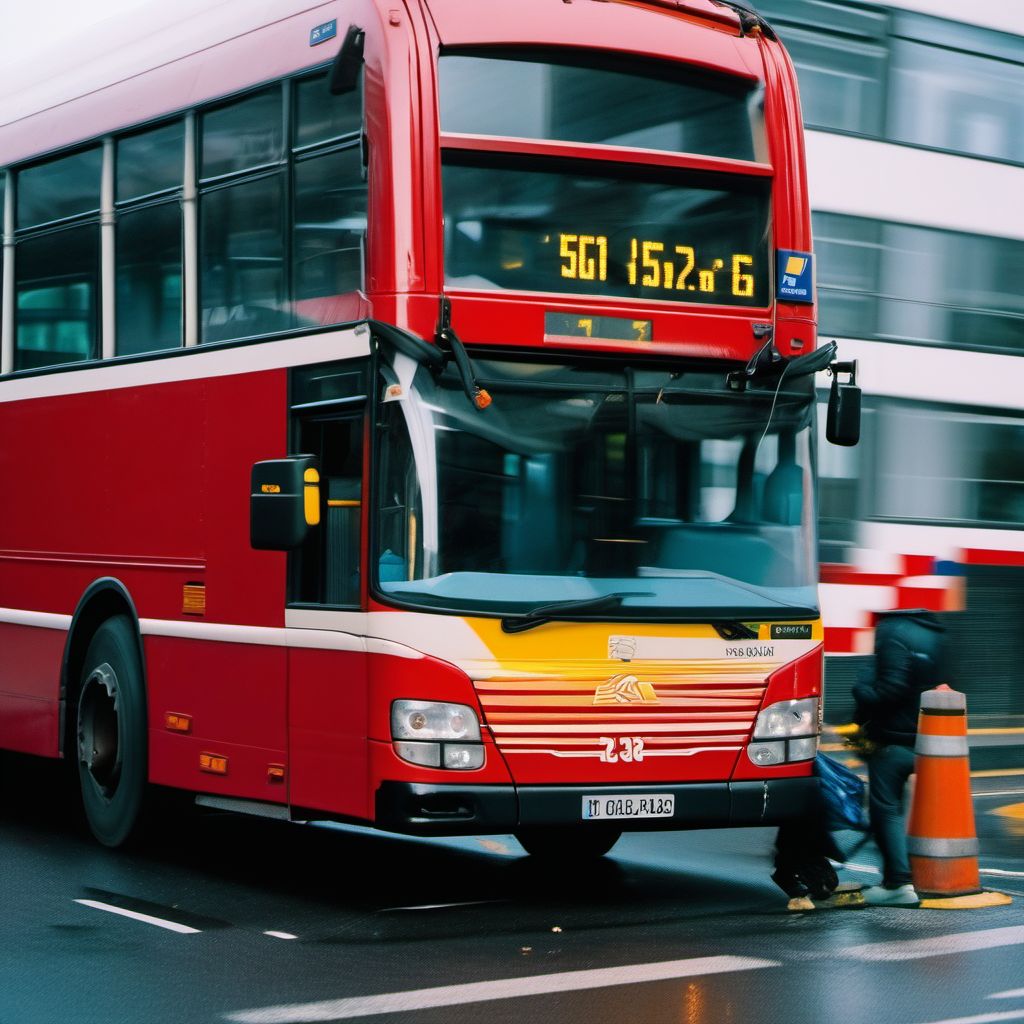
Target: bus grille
676, 710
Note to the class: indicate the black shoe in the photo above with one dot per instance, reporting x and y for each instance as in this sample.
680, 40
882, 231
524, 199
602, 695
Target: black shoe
819, 877
790, 883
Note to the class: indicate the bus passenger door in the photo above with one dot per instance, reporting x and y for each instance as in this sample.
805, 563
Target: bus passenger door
327, 698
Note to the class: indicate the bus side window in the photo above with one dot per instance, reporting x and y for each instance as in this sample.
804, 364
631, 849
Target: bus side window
57, 261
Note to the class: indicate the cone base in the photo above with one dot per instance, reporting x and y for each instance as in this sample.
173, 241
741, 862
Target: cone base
945, 876
974, 901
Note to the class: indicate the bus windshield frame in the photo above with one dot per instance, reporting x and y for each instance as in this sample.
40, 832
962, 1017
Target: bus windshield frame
497, 512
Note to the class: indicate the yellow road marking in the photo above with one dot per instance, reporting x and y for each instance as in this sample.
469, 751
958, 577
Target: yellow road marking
1015, 814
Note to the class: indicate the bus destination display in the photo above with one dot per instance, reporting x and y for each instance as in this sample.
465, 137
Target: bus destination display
639, 233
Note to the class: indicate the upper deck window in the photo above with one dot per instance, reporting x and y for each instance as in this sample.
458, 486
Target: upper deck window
151, 161
641, 105
59, 189
57, 263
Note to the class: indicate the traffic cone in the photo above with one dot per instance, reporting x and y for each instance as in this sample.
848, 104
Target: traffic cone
941, 837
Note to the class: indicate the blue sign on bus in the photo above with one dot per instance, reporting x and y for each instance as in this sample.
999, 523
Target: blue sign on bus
794, 276
320, 34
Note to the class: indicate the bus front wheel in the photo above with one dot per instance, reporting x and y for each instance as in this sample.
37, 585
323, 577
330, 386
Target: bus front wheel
568, 842
111, 733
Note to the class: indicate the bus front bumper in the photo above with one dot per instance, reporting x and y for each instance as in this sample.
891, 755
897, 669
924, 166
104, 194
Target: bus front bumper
446, 810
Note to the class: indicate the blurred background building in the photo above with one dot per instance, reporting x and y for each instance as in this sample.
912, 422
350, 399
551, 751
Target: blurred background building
915, 143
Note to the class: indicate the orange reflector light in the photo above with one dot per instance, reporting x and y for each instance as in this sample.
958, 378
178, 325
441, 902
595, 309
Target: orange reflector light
213, 763
193, 599
275, 773
482, 399
393, 391
270, 488
178, 723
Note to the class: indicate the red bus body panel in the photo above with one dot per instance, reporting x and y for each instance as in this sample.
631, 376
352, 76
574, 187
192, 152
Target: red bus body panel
146, 481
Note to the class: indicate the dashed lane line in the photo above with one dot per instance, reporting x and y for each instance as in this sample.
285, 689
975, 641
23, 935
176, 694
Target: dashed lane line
870, 869
440, 906
983, 1018
159, 922
938, 945
1013, 993
505, 988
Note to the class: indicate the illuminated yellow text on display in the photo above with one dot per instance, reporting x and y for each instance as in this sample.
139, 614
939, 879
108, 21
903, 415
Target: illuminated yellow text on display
655, 264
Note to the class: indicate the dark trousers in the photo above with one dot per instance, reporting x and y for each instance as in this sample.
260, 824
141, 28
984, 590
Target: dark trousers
888, 770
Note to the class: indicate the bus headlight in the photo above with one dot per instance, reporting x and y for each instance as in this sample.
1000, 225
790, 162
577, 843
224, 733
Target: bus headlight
785, 732
433, 720
463, 755
788, 718
767, 753
422, 732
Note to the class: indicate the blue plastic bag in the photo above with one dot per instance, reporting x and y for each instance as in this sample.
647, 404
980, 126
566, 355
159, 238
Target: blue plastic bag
843, 794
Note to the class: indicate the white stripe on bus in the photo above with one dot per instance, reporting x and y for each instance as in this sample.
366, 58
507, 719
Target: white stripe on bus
223, 632
40, 620
194, 364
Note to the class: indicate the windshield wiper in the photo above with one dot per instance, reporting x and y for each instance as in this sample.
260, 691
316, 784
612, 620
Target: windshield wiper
546, 612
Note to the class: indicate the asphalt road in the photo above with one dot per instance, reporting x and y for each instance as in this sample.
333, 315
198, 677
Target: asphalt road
241, 920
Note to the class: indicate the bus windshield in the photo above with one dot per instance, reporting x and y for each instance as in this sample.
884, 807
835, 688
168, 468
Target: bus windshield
655, 484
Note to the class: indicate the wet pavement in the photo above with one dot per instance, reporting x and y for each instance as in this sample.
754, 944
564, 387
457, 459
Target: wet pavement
222, 918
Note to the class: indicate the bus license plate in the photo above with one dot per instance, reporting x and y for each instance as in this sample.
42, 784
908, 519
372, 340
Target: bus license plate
603, 807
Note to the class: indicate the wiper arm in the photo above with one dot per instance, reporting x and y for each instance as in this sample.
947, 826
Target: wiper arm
546, 612
450, 341
768, 363
729, 630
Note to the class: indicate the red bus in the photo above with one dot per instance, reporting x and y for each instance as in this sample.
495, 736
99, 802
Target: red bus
408, 419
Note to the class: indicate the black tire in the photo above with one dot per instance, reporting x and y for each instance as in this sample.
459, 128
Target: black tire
110, 733
568, 842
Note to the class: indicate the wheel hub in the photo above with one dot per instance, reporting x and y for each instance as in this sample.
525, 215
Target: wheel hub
99, 729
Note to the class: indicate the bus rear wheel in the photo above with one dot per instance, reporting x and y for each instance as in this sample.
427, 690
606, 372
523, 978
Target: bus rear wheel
111, 733
568, 842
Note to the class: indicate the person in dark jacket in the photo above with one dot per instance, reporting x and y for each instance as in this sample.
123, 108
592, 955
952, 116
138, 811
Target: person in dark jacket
804, 849
909, 659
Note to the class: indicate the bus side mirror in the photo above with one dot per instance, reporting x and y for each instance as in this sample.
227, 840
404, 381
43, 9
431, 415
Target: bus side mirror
348, 63
284, 502
842, 425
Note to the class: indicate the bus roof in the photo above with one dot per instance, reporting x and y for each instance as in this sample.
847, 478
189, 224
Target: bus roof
155, 60
698, 31
120, 49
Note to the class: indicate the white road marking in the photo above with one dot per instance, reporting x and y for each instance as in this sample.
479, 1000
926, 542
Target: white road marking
867, 869
983, 1018
939, 945
1014, 993
281, 935
171, 926
1002, 792
439, 906
485, 991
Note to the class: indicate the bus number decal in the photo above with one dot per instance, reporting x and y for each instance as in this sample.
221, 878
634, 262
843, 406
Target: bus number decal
626, 749
750, 651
